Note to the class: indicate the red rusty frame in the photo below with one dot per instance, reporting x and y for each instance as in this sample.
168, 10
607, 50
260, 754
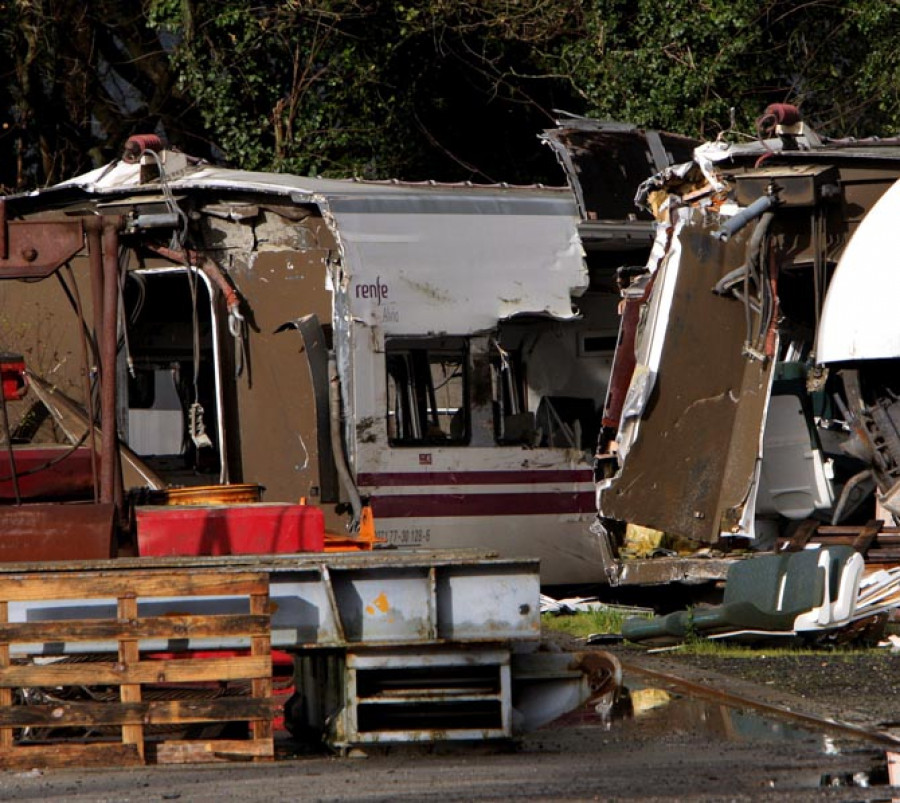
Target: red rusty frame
35, 249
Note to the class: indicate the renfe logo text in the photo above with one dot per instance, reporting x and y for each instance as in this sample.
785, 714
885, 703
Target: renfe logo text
376, 290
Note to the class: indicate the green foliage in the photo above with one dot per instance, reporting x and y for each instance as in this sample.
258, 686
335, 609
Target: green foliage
444, 89
682, 66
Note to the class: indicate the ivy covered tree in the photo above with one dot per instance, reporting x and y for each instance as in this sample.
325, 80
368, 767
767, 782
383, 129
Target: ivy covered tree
444, 89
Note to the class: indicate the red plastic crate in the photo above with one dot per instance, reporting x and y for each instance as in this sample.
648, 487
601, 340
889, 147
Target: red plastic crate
12, 376
255, 529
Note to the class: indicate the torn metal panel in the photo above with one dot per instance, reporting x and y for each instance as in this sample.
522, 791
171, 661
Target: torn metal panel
605, 163
662, 571
691, 465
72, 421
278, 431
317, 359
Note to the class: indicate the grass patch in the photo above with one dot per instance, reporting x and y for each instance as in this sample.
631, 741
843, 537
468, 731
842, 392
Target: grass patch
586, 623
789, 649
725, 649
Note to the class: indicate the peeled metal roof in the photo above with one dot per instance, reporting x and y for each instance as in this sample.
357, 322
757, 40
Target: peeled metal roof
122, 176
443, 256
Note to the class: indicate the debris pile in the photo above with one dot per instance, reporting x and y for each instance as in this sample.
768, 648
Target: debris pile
814, 593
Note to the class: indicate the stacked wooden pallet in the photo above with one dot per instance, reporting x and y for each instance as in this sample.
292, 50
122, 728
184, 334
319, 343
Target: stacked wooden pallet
878, 543
59, 712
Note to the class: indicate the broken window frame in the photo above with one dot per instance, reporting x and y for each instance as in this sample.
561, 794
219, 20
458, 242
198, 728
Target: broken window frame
510, 397
414, 416
216, 328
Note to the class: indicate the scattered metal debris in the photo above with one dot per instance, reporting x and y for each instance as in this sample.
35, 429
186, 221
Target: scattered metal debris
760, 392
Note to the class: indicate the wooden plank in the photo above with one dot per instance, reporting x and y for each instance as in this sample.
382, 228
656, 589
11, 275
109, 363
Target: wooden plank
853, 529
260, 647
53, 586
6, 695
106, 754
175, 752
167, 627
162, 712
129, 655
802, 534
174, 671
867, 535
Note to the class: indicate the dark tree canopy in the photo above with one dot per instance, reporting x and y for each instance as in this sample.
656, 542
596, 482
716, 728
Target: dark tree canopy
422, 89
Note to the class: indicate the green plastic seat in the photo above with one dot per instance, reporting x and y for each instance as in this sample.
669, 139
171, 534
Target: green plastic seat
767, 592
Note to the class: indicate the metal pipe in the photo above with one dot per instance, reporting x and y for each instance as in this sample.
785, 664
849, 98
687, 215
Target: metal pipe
337, 447
95, 254
734, 224
154, 221
109, 451
208, 266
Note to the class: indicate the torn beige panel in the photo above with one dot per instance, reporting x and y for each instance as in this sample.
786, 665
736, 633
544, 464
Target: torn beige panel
694, 457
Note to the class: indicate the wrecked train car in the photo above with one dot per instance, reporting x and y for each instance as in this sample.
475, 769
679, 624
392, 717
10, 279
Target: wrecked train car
415, 347
759, 400
152, 303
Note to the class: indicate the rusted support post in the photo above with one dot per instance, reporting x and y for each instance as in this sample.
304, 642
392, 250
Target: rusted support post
13, 474
95, 252
4, 242
109, 447
86, 359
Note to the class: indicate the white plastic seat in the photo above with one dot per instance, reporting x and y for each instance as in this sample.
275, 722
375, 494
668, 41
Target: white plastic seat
843, 568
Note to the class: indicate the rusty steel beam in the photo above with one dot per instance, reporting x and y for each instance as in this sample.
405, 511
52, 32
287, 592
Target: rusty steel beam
35, 249
52, 532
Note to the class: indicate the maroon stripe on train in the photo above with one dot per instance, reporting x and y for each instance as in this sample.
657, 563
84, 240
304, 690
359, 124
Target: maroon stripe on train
454, 505
417, 478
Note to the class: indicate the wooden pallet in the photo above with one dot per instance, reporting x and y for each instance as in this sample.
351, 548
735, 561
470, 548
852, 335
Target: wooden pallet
133, 675
876, 542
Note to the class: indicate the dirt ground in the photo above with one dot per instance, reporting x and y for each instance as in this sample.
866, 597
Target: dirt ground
681, 749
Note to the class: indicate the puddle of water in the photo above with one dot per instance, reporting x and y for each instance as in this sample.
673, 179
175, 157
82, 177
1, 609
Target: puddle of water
659, 709
652, 710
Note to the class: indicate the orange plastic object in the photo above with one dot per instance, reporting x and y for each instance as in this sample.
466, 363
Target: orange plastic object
363, 542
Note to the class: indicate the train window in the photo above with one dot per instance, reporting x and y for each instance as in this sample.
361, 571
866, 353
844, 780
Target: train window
427, 391
513, 423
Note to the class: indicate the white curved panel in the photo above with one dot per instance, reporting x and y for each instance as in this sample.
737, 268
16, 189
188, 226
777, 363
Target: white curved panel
859, 319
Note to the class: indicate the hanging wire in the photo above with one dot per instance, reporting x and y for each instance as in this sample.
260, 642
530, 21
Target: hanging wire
124, 259
75, 298
179, 235
177, 243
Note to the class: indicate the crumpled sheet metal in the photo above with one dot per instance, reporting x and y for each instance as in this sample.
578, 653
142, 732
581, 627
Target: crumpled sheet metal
690, 462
